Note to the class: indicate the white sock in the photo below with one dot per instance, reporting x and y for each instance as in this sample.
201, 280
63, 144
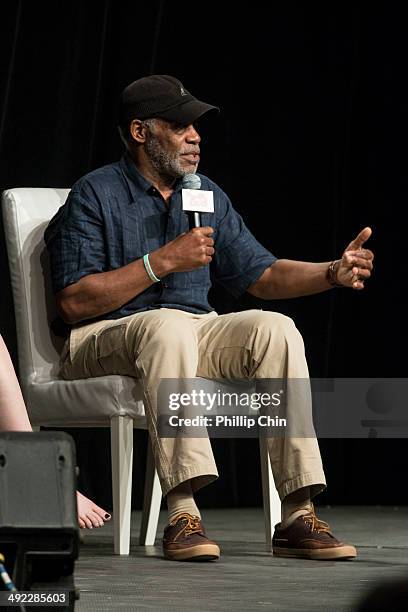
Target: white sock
180, 499
295, 504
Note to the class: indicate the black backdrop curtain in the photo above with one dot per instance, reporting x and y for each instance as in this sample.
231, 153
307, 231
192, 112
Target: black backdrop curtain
310, 146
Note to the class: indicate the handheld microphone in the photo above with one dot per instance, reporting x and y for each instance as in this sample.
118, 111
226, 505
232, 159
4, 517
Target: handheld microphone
192, 181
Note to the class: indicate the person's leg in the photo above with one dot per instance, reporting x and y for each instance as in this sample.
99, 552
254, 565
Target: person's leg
151, 346
13, 417
181, 499
261, 345
265, 345
13, 413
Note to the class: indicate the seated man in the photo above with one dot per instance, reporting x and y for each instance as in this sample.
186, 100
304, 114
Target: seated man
132, 280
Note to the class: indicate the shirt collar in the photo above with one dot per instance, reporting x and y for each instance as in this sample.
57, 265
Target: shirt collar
129, 167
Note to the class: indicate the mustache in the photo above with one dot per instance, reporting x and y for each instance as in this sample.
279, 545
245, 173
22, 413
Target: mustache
193, 150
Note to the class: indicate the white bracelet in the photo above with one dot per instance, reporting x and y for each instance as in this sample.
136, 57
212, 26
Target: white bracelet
149, 270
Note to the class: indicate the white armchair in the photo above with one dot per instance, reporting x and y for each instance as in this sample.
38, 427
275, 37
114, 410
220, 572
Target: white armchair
107, 401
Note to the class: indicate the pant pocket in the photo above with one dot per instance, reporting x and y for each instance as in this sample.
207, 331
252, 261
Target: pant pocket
111, 350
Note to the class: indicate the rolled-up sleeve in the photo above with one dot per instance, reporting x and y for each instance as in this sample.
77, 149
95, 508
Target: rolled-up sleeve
75, 241
239, 258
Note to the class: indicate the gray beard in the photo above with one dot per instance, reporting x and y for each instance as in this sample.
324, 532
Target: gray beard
166, 164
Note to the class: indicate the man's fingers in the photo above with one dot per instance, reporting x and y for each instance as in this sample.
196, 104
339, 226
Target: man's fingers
364, 253
360, 239
358, 261
205, 231
207, 241
361, 273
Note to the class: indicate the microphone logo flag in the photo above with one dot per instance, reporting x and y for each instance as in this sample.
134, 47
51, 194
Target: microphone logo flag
197, 200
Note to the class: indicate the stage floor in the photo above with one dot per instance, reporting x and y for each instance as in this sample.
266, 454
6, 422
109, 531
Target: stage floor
246, 577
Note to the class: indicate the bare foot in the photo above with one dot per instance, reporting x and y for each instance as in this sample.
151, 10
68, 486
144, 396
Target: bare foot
89, 514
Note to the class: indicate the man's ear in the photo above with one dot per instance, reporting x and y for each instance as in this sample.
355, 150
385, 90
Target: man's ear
138, 130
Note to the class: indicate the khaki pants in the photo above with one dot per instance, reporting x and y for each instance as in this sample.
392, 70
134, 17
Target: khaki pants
169, 343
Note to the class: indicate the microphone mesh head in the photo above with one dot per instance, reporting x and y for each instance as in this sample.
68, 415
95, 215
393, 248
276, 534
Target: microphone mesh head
191, 181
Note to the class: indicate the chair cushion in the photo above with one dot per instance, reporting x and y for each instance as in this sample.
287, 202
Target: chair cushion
86, 402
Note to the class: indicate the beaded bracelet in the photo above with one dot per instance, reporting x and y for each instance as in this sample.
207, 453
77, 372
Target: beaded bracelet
331, 274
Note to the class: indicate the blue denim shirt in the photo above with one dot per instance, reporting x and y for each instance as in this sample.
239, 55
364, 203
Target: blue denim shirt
113, 216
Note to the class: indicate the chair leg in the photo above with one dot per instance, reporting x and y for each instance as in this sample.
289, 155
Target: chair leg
151, 502
122, 464
271, 501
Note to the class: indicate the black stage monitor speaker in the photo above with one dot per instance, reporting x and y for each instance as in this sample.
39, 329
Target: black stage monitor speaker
38, 514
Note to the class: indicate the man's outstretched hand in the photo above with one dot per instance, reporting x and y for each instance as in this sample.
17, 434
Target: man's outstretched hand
357, 262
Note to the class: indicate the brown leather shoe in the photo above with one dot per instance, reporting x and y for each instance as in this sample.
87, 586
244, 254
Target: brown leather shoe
309, 538
185, 540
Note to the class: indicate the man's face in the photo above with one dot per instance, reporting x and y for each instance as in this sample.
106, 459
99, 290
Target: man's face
173, 149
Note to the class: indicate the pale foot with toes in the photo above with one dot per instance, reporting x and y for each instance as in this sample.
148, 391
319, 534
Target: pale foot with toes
89, 514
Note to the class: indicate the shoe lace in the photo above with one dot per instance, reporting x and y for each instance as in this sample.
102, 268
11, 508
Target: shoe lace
192, 523
315, 523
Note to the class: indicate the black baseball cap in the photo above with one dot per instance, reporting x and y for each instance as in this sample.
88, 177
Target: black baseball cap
161, 96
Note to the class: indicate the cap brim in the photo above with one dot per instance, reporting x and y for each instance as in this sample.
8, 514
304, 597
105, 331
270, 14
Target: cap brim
188, 112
